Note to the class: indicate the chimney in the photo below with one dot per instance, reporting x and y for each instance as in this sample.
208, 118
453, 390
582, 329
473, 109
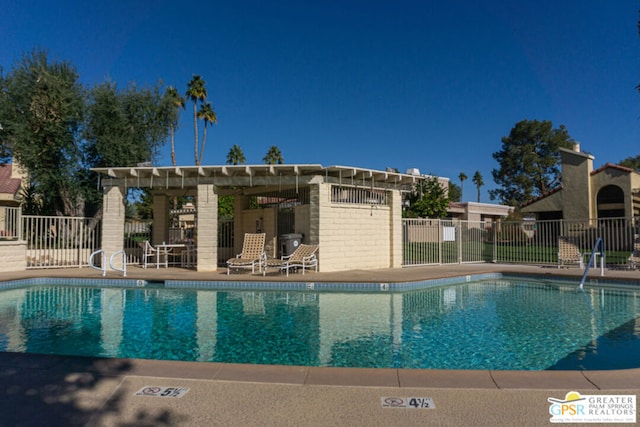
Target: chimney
576, 146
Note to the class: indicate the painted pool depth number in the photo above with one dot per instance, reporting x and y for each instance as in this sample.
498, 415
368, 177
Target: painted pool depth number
408, 402
154, 391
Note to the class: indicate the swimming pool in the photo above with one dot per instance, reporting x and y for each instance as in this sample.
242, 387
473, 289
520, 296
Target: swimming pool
505, 323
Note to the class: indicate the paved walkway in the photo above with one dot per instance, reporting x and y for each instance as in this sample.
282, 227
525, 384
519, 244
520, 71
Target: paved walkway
42, 390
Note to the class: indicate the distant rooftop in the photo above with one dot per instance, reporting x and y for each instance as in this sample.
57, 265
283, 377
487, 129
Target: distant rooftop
8, 185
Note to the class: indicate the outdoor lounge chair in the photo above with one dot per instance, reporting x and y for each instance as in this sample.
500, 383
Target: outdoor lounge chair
634, 259
303, 257
252, 253
569, 252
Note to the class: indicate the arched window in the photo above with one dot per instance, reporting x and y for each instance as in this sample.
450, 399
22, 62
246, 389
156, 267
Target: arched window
610, 202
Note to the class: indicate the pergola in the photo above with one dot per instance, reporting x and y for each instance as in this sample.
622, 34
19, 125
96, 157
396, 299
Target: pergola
340, 208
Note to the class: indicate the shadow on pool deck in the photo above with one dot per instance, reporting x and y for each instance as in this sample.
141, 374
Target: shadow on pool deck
54, 390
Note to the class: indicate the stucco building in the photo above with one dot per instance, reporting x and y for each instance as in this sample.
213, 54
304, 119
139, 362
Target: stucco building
477, 212
611, 191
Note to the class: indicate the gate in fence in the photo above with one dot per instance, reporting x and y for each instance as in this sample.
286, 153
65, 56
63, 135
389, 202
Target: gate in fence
437, 241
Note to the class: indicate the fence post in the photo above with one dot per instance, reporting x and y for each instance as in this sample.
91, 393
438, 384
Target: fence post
458, 229
495, 241
440, 240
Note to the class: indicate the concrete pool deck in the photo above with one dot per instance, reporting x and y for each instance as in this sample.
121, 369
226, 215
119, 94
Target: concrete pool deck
52, 390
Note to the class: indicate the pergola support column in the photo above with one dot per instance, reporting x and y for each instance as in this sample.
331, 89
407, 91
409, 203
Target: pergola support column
112, 220
395, 221
207, 226
160, 219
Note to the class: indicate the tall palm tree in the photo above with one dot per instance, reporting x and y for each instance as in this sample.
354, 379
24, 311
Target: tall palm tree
235, 156
196, 92
207, 114
462, 177
176, 103
477, 180
273, 156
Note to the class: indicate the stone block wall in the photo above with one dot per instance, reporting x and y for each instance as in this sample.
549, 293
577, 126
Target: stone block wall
13, 254
113, 220
353, 236
207, 243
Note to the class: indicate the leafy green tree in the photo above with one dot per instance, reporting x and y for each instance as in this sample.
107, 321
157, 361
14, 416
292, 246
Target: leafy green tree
478, 181
235, 156
196, 92
41, 112
206, 114
631, 162
175, 103
126, 127
31, 201
455, 192
462, 177
225, 207
5, 111
529, 161
273, 156
428, 200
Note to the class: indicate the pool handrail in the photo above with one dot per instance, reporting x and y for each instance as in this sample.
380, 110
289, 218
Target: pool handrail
594, 252
124, 262
103, 264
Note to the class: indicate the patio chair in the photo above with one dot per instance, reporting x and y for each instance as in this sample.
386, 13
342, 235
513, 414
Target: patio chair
252, 253
149, 252
569, 252
303, 257
634, 258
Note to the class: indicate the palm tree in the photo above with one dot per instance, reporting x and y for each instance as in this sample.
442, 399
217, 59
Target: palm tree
176, 103
273, 156
462, 177
207, 114
477, 180
235, 156
196, 91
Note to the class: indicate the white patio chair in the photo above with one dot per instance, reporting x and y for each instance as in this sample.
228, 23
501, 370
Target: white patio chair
149, 252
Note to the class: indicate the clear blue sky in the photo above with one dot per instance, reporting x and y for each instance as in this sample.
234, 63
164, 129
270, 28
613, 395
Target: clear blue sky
373, 84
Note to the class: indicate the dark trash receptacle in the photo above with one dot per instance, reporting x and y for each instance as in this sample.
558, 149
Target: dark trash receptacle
289, 243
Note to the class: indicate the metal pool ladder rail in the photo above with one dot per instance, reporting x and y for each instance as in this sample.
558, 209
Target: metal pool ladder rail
103, 263
599, 243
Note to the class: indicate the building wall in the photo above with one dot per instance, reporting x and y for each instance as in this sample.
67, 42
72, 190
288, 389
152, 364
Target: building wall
617, 178
302, 221
353, 236
577, 196
13, 255
258, 221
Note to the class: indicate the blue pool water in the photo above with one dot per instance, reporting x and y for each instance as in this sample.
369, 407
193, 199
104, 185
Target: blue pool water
516, 323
